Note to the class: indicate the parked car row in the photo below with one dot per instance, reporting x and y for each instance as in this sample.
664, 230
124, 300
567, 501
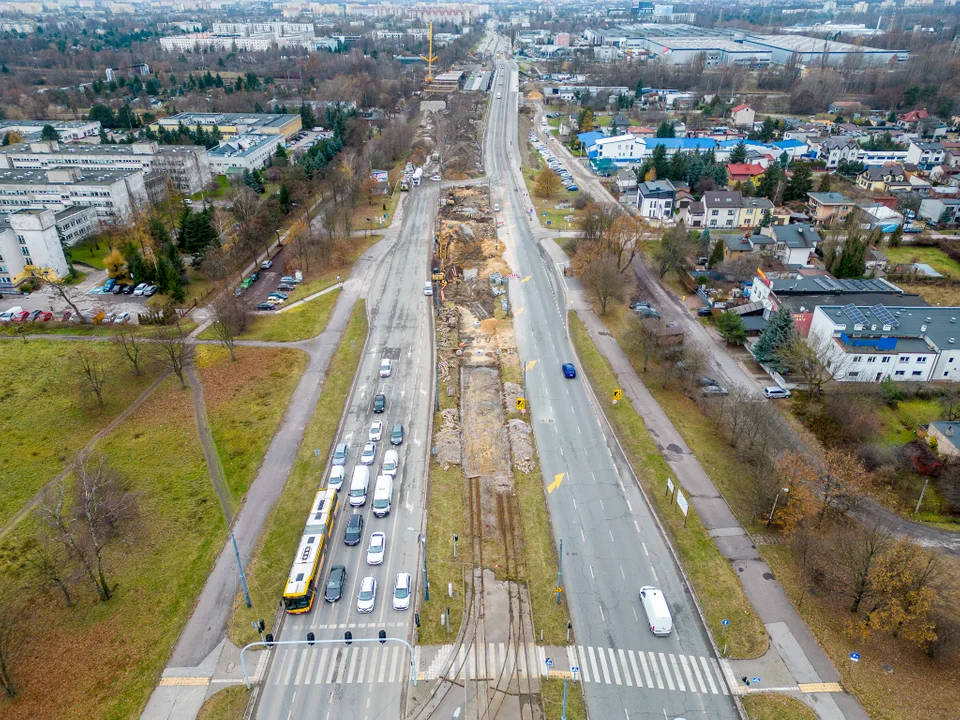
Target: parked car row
553, 163
19, 315
279, 296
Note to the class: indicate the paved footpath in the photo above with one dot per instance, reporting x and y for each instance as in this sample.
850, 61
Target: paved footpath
794, 663
203, 654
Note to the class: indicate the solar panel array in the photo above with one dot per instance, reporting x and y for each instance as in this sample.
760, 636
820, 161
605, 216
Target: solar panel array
884, 315
854, 315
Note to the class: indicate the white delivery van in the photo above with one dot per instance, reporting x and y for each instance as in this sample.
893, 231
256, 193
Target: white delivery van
382, 496
390, 461
359, 485
655, 606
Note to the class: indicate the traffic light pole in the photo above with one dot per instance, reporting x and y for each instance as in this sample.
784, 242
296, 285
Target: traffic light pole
382, 640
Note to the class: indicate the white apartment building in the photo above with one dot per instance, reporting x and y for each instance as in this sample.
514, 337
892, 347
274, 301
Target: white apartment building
186, 165
114, 194
67, 130
76, 223
29, 242
243, 152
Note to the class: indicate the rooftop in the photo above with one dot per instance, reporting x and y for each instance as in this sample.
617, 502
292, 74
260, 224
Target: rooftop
937, 324
830, 198
39, 177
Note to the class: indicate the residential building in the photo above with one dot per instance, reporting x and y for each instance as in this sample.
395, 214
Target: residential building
113, 193
753, 210
884, 178
937, 210
692, 213
744, 172
833, 151
793, 244
871, 343
877, 215
230, 124
792, 147
76, 223
742, 116
827, 208
563, 39
848, 108
911, 119
67, 130
243, 152
29, 244
926, 155
655, 199
722, 208
626, 183
186, 165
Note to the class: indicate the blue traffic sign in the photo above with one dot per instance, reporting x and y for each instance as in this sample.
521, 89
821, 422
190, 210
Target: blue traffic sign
756, 681
575, 669
854, 656
549, 662
724, 622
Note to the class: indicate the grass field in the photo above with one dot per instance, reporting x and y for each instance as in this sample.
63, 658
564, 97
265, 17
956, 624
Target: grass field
90, 253
229, 704
551, 695
267, 570
717, 586
548, 205
302, 323
314, 282
932, 256
945, 295
365, 210
245, 403
45, 417
773, 706
102, 659
58, 328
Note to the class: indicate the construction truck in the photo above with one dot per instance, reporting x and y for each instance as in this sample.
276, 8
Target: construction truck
417, 177
404, 184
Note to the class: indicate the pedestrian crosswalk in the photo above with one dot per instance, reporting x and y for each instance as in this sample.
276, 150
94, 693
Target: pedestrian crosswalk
334, 665
649, 669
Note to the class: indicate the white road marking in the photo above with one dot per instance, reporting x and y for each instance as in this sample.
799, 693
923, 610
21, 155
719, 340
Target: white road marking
593, 665
601, 504
613, 666
655, 578
626, 669
603, 666
611, 536
706, 671
686, 672
574, 503
635, 614
666, 671
633, 664
321, 665
582, 657
629, 506
637, 526
591, 572
646, 670
676, 671
582, 537
645, 551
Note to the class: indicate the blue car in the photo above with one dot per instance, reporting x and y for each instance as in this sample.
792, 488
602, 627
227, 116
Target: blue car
569, 371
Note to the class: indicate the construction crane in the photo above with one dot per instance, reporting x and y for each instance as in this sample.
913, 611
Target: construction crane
430, 59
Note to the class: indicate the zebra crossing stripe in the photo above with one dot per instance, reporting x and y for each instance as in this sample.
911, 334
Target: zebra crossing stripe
706, 671
626, 670
666, 670
341, 667
603, 664
393, 663
720, 676
584, 673
696, 672
333, 665
646, 670
321, 664
613, 666
374, 661
636, 670
364, 652
572, 658
301, 666
313, 661
676, 672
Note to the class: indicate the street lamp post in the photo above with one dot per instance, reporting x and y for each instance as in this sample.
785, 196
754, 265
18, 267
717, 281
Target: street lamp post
774, 509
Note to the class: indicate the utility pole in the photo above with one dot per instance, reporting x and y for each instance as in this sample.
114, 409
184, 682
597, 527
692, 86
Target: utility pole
563, 711
426, 585
559, 571
243, 578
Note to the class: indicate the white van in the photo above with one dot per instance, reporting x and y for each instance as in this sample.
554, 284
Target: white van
390, 462
775, 391
655, 606
359, 485
428, 288
382, 496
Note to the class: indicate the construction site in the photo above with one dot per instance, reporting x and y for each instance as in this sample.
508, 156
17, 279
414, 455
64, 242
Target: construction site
504, 575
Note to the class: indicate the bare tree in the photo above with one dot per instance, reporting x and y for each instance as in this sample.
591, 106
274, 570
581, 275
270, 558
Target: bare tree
50, 563
856, 552
93, 372
673, 250
813, 359
603, 280
14, 624
229, 320
132, 344
174, 347
60, 289
623, 238
642, 336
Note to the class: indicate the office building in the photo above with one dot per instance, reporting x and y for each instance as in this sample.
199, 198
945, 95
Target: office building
30, 244
114, 194
230, 124
67, 130
243, 152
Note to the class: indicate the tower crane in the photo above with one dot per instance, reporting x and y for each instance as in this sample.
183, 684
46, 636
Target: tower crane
430, 59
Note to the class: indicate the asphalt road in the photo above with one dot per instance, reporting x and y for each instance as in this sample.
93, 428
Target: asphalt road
611, 544
366, 681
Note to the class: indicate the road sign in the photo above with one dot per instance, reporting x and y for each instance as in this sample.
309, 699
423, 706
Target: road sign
559, 589
575, 669
855, 657
724, 622
669, 485
755, 681
617, 395
521, 404
549, 662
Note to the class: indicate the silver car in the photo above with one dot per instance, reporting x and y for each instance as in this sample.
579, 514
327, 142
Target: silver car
401, 592
367, 597
369, 453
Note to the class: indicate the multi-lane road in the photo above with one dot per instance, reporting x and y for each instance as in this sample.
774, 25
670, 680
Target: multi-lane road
611, 542
366, 681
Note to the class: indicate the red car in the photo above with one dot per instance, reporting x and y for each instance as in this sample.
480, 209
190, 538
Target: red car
66, 316
21, 316
44, 316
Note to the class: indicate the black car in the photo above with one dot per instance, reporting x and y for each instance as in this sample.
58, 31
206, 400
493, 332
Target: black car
704, 312
265, 307
335, 583
396, 437
118, 288
354, 531
379, 403
128, 289
254, 276
286, 287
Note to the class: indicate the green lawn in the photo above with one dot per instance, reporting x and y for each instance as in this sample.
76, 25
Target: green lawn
773, 706
222, 184
556, 217
45, 417
245, 403
551, 694
103, 659
900, 423
315, 281
714, 580
267, 571
932, 256
90, 253
301, 323
229, 704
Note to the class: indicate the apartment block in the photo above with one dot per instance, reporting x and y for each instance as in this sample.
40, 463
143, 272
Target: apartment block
29, 243
114, 194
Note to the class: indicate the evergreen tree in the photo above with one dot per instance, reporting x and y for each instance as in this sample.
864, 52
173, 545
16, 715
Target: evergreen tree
778, 333
896, 237
660, 163
825, 183
852, 259
49, 133
739, 153
307, 118
769, 182
716, 256
283, 197
767, 218
638, 92
666, 130
730, 326
800, 183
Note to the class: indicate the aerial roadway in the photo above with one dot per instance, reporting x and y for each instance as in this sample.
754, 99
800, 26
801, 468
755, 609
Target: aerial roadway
611, 542
365, 681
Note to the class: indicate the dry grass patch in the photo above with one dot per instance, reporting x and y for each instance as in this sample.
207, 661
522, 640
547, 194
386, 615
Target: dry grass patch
773, 706
103, 659
301, 323
245, 403
551, 695
229, 704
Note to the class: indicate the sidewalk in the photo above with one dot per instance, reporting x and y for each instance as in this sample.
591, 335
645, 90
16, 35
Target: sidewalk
794, 652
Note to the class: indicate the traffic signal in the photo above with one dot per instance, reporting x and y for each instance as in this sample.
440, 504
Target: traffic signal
348, 637
269, 639
311, 638
383, 637
416, 619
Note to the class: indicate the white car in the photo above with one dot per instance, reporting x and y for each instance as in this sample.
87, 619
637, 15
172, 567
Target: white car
390, 461
368, 454
376, 548
386, 367
7, 315
376, 431
401, 592
122, 318
138, 290
367, 597
266, 264
436, 178
336, 477
274, 301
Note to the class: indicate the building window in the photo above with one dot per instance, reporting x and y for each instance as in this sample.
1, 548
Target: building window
922, 359
871, 359
857, 358
853, 374
886, 359
904, 360
25, 251
714, 212
900, 372
917, 373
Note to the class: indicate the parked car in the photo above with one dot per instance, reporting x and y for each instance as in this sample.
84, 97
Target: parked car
138, 291
401, 592
647, 312
637, 304
44, 316
265, 306
117, 289
278, 295
285, 286
354, 530
376, 431
714, 390
255, 275
435, 178
34, 314
704, 312
150, 290
775, 391
376, 548
128, 289
572, 188
275, 301
704, 381
396, 436
122, 318
569, 371
266, 264
367, 597
289, 280
7, 315
379, 403
335, 582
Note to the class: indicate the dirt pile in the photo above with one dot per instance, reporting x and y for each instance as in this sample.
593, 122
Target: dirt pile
424, 140
447, 439
461, 134
521, 445
511, 391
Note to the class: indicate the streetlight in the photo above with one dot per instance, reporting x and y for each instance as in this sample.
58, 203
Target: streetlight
774, 509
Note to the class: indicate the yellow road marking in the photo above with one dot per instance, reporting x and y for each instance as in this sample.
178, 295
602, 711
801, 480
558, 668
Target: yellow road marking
518, 312
819, 687
171, 681
555, 484
530, 365
526, 278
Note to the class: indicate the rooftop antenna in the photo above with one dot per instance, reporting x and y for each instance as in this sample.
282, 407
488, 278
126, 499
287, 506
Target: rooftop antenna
431, 58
